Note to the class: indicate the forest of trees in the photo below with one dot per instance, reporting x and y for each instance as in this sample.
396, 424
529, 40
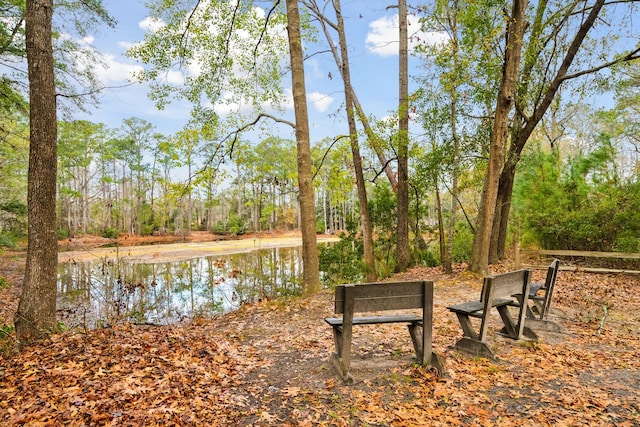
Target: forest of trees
510, 148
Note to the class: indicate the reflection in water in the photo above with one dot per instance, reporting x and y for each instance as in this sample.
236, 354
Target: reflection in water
95, 293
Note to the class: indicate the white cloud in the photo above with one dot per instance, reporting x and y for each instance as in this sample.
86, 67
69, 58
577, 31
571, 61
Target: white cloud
175, 77
312, 69
126, 45
382, 39
320, 100
151, 24
287, 104
226, 109
114, 71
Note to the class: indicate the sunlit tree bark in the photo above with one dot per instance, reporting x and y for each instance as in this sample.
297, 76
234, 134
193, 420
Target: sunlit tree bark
311, 272
402, 225
36, 315
533, 102
365, 221
515, 31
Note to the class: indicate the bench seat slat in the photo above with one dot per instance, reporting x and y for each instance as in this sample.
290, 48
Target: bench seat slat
373, 320
472, 308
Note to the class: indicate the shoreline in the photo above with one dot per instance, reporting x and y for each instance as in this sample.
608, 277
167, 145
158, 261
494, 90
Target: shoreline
181, 251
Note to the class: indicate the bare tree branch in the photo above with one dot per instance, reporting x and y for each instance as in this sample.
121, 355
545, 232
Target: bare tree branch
185, 34
631, 56
326, 153
235, 134
92, 92
264, 30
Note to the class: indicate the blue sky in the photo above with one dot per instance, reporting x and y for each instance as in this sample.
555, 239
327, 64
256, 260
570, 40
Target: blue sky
372, 38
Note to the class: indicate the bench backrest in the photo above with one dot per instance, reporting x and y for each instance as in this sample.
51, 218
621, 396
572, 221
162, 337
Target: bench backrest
385, 296
367, 297
552, 273
506, 285
549, 284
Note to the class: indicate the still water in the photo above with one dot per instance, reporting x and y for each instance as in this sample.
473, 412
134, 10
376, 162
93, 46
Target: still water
99, 292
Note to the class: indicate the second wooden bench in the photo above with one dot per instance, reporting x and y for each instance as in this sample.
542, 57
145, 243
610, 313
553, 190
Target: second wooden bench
374, 297
501, 292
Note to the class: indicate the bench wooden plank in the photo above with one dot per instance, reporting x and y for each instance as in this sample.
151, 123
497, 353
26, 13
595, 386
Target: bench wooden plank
372, 320
474, 308
386, 296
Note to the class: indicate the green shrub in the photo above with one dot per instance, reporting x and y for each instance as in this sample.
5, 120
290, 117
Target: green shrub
578, 203
627, 242
8, 240
462, 243
236, 225
341, 262
218, 228
110, 233
147, 230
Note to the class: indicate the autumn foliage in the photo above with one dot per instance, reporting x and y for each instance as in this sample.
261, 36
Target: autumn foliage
267, 365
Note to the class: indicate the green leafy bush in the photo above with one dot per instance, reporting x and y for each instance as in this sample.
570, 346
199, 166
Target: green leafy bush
462, 243
110, 233
236, 225
8, 240
580, 205
341, 262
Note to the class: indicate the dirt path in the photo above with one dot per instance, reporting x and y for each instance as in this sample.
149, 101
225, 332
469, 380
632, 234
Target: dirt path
183, 251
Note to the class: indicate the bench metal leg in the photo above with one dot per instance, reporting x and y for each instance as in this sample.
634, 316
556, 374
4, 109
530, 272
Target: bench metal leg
337, 339
510, 330
341, 359
339, 364
530, 312
535, 311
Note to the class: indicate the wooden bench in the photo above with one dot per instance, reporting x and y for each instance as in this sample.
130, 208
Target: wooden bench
540, 294
375, 297
501, 292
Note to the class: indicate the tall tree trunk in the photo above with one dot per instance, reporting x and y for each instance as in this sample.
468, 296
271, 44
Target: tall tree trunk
503, 205
365, 221
36, 315
524, 126
311, 268
374, 140
479, 262
441, 233
447, 260
402, 214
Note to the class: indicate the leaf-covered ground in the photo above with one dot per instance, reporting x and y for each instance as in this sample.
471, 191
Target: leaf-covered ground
267, 365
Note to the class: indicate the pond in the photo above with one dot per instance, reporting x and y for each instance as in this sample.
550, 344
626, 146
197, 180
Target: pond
99, 292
